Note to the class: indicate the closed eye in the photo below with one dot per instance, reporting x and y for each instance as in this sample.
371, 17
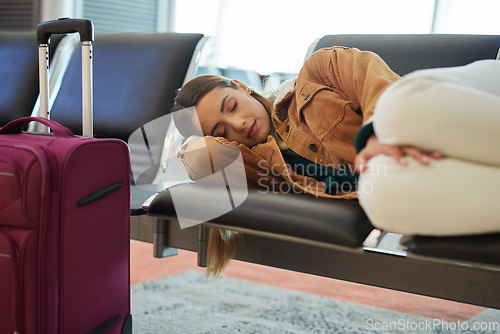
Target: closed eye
222, 110
230, 111
216, 128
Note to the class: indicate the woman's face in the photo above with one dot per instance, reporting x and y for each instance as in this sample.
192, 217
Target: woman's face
234, 114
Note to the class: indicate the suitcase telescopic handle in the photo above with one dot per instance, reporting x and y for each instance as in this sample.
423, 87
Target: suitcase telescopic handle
65, 26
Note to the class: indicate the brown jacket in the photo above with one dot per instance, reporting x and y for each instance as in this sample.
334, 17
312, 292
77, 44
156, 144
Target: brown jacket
333, 97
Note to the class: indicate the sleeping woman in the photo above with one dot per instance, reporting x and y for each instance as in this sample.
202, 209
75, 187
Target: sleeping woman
421, 153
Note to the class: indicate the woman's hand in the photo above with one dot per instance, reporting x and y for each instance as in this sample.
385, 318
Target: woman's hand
374, 147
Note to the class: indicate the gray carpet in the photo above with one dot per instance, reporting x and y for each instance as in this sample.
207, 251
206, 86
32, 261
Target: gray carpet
190, 303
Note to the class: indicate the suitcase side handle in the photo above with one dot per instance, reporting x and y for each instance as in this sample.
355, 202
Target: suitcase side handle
16, 126
65, 26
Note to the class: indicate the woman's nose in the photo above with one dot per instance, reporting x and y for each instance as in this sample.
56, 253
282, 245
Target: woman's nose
237, 123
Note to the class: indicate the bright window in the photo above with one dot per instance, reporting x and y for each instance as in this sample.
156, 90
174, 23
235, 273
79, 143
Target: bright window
468, 17
273, 35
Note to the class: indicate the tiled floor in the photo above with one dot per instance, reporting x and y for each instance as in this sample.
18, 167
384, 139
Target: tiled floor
145, 267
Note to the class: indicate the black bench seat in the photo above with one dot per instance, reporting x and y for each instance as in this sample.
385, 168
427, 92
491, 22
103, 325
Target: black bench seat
484, 248
333, 222
341, 222
325, 238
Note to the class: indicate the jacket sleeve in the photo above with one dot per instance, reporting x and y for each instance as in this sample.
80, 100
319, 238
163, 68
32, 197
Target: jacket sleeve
207, 155
358, 76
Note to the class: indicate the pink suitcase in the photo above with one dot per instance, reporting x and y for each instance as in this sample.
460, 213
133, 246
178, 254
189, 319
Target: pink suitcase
64, 229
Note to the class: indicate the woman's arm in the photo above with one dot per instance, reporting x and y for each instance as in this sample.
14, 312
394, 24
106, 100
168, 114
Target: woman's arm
337, 90
364, 84
357, 76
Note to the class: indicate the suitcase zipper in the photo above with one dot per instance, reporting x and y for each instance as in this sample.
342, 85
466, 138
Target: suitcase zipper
47, 165
9, 266
48, 297
9, 174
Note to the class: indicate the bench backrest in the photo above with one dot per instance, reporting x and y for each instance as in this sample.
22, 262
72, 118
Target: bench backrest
135, 81
407, 53
19, 85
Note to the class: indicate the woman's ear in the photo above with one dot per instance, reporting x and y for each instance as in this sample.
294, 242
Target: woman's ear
241, 85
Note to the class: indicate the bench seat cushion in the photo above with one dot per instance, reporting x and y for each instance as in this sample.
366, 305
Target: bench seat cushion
478, 248
338, 222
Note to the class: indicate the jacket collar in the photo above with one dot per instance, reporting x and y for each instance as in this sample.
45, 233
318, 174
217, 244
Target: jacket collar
285, 91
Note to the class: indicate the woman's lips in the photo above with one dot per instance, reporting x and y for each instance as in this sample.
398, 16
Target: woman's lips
253, 130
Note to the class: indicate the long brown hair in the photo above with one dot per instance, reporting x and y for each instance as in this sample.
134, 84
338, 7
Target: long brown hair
222, 244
